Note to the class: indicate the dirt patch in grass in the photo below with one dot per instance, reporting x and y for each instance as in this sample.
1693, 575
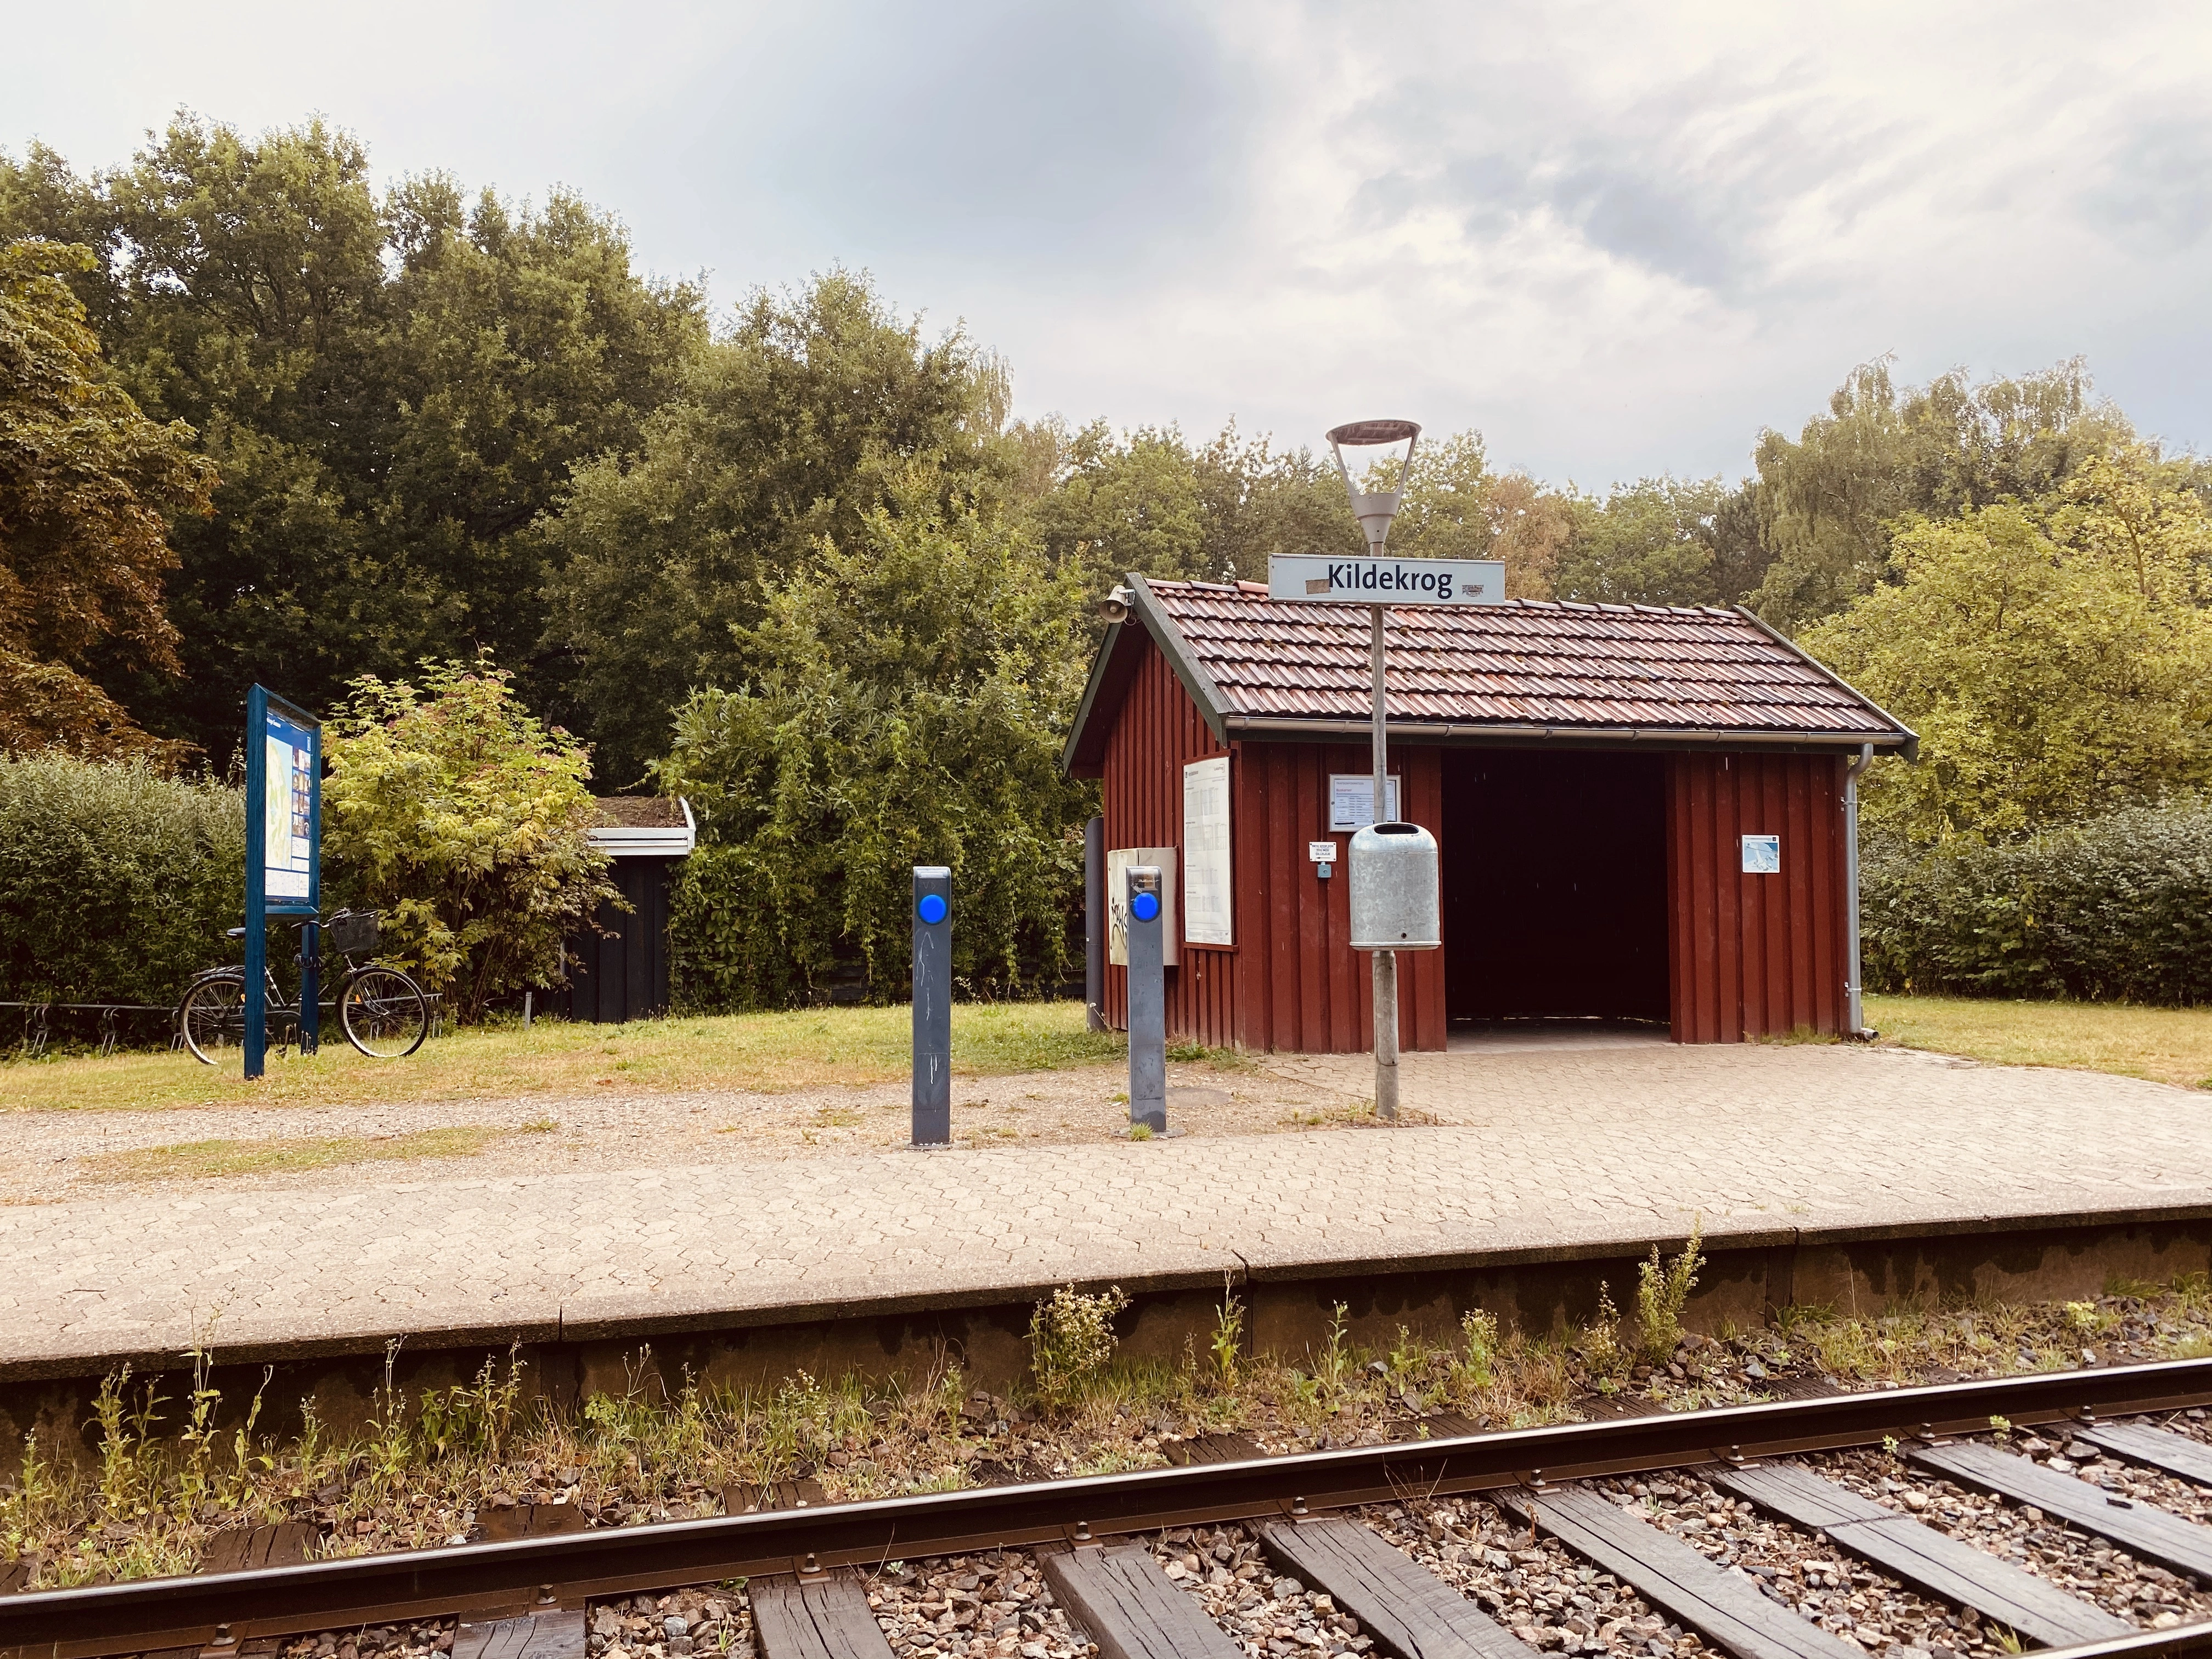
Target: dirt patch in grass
197, 1160
2165, 1045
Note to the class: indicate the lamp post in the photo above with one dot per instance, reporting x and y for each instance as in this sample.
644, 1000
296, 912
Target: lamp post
1375, 511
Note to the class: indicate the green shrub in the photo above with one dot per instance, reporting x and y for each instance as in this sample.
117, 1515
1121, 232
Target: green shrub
1072, 1340
1661, 1291
116, 883
455, 812
910, 710
2118, 909
730, 948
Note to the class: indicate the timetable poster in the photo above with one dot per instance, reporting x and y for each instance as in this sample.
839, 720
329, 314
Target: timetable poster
287, 810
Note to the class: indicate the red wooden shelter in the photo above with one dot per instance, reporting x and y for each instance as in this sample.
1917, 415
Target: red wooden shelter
1602, 780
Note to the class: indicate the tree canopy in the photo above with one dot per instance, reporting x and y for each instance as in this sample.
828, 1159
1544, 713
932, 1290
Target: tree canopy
260, 419
789, 431
466, 822
88, 486
2053, 659
391, 392
910, 689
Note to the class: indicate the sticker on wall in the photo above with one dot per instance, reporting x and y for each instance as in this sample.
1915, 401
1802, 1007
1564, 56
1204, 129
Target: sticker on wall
1762, 855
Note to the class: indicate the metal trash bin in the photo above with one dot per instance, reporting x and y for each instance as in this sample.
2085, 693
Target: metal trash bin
1394, 889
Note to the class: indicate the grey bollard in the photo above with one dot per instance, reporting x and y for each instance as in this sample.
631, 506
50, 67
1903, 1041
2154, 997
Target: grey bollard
1148, 1002
933, 1006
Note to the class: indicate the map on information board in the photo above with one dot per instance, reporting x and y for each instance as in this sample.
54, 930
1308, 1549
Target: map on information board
287, 808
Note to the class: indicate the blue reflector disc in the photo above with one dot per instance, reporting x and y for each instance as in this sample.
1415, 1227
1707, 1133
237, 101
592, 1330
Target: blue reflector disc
931, 908
1145, 906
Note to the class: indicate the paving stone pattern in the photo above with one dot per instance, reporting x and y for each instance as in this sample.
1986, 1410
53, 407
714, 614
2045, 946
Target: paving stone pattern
1526, 1148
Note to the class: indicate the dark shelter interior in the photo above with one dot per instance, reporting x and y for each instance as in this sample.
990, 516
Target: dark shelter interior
1554, 884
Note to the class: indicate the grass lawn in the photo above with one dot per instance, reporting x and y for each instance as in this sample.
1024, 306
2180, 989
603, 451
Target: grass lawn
774, 1053
2168, 1045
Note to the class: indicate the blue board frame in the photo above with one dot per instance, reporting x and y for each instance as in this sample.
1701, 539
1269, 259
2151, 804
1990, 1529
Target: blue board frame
284, 797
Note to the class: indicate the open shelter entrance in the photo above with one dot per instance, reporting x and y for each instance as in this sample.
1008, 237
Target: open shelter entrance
1555, 885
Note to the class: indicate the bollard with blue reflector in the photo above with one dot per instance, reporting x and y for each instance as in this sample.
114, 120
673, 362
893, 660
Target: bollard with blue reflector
933, 1006
1148, 1011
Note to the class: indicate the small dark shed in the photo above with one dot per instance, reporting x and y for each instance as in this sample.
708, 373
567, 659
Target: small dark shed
622, 973
1641, 811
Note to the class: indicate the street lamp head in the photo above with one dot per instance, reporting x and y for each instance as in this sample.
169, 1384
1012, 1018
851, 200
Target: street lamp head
1375, 509
1359, 433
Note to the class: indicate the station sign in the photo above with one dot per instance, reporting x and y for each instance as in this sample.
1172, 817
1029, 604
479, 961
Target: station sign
1365, 579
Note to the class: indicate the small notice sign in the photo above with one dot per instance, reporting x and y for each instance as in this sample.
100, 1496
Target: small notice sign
1762, 855
1367, 581
1351, 799
1322, 852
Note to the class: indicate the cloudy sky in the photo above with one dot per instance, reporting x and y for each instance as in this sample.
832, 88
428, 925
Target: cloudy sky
1619, 238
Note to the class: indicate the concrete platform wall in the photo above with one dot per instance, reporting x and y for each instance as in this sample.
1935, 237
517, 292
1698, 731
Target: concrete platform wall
1746, 1281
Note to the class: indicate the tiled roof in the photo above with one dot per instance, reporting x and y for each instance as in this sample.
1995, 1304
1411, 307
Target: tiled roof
1522, 663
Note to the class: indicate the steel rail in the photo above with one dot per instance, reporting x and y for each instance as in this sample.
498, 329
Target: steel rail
2139, 1645
2143, 1644
496, 1580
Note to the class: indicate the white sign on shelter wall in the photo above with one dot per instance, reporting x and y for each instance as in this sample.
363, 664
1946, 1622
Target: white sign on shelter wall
1762, 855
1351, 799
1208, 898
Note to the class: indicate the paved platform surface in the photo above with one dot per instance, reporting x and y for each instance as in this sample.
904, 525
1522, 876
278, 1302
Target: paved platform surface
1528, 1150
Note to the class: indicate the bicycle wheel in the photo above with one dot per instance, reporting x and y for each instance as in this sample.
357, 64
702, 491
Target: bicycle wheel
384, 1013
212, 1018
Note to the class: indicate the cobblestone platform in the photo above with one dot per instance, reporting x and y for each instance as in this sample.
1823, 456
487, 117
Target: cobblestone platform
1528, 1152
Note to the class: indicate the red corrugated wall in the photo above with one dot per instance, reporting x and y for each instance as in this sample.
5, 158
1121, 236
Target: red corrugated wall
1756, 956
1306, 990
1290, 982
1157, 731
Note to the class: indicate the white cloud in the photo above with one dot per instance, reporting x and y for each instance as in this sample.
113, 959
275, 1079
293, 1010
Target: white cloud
1620, 239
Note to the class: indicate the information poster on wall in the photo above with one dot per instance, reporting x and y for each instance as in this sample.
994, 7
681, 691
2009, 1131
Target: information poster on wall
1208, 897
1118, 861
1351, 799
1762, 855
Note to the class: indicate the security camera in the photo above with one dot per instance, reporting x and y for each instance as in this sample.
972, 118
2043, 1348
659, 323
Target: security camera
1115, 607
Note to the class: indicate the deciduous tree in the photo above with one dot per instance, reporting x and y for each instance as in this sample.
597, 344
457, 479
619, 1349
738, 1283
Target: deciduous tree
2047, 682
791, 429
909, 695
88, 487
392, 390
1832, 497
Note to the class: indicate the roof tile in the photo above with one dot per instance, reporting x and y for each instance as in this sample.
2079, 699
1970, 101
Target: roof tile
1525, 662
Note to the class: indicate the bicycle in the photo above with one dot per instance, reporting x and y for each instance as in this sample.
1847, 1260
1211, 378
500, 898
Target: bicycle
382, 1012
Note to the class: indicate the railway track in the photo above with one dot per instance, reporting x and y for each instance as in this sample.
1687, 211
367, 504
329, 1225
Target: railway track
807, 1564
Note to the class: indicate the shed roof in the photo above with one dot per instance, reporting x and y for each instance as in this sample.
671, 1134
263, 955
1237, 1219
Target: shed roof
1527, 671
644, 826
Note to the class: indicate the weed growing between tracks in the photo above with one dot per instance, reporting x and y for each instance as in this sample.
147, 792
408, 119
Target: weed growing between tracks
164, 1467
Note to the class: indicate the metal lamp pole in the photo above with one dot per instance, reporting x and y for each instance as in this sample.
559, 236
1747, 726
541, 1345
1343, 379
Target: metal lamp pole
1375, 511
